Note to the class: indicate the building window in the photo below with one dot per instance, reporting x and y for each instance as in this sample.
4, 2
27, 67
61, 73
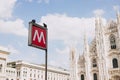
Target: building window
18, 73
94, 63
82, 77
7, 79
30, 75
95, 76
38, 76
112, 42
115, 63
0, 67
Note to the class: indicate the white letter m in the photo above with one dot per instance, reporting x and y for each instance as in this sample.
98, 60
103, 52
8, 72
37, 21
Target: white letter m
36, 34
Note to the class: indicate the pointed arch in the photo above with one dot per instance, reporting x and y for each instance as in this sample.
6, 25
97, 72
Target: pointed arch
7, 79
82, 77
112, 41
94, 76
115, 63
94, 63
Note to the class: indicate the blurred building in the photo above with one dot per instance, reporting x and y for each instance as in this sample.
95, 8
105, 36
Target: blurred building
30, 71
6, 73
101, 58
73, 66
21, 70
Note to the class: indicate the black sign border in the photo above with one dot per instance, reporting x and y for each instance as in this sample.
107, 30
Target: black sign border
30, 35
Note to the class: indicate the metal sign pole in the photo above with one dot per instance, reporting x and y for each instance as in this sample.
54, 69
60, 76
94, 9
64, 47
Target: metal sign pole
46, 64
33, 27
46, 55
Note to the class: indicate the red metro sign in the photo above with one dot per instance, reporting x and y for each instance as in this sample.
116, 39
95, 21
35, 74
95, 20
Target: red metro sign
37, 36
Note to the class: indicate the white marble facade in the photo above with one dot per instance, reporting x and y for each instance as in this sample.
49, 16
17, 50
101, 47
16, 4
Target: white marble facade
21, 70
101, 58
6, 73
30, 71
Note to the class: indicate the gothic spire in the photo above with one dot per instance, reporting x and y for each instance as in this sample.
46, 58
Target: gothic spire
118, 16
72, 54
86, 48
98, 21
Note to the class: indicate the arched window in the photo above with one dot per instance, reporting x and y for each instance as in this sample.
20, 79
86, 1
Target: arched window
112, 42
94, 63
115, 63
82, 77
95, 76
0, 67
7, 79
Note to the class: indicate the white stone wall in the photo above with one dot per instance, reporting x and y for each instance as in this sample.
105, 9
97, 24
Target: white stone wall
11, 73
30, 71
105, 54
27, 71
3, 58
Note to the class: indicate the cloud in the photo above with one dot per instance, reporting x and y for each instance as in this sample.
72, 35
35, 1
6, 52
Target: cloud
13, 27
29, 0
39, 1
98, 12
10, 49
46, 1
34, 57
8, 26
116, 7
53, 62
14, 53
64, 51
6, 8
60, 58
68, 29
4, 48
63, 58
13, 50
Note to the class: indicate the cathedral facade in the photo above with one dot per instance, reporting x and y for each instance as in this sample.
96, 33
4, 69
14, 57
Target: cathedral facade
101, 58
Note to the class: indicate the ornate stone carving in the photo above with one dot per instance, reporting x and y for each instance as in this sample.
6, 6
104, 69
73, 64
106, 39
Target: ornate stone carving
114, 71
